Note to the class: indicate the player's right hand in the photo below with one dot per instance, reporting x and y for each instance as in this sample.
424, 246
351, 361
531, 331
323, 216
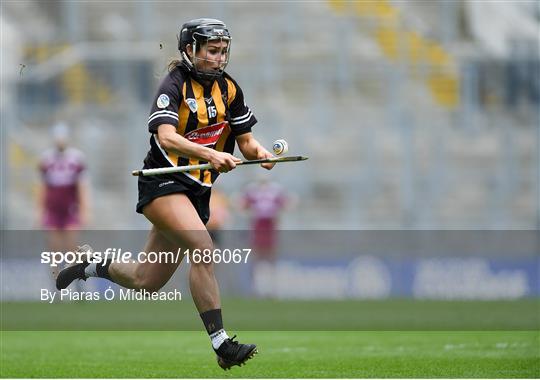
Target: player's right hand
223, 162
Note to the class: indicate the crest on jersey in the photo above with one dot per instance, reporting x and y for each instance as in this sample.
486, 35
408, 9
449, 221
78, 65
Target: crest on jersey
162, 101
192, 104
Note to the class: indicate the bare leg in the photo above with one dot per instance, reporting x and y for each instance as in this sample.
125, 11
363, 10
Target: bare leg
176, 225
149, 276
176, 219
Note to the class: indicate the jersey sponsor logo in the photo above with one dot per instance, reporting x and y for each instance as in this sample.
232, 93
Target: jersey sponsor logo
207, 136
192, 104
163, 101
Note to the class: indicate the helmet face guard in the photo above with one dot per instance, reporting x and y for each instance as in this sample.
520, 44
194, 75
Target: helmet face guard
197, 46
198, 33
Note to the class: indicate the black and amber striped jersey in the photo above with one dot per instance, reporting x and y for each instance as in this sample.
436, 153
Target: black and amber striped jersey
211, 115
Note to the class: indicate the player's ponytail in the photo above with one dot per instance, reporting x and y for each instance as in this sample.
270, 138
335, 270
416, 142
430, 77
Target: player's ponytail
173, 64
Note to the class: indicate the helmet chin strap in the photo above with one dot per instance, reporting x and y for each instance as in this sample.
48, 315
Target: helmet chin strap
186, 59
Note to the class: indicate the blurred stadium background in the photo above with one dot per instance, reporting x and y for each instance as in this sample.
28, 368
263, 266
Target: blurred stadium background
415, 115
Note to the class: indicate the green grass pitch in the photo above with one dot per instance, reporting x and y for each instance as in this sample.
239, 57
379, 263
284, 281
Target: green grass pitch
316, 354
507, 345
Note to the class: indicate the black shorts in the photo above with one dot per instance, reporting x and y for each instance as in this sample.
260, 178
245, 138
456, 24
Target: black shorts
152, 187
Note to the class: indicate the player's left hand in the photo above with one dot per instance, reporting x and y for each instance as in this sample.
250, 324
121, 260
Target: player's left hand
266, 154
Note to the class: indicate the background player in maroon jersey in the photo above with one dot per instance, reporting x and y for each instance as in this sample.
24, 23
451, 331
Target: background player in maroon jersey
62, 193
265, 201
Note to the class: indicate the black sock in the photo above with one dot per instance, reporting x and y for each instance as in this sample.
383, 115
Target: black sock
212, 320
102, 270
